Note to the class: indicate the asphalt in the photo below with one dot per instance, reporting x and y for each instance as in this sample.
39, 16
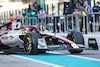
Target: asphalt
10, 61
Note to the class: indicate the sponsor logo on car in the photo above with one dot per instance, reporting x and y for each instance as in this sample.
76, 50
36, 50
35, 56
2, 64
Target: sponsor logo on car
6, 37
11, 37
41, 43
74, 46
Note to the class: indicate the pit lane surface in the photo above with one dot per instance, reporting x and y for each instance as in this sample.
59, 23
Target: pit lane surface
88, 58
10, 61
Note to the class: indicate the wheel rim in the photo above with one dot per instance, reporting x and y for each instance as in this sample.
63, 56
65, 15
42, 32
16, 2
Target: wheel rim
28, 44
71, 37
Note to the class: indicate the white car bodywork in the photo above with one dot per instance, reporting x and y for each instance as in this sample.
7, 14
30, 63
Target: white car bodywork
12, 37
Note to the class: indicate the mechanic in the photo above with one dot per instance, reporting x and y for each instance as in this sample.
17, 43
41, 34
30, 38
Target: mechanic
27, 16
55, 16
33, 14
96, 8
19, 16
24, 14
80, 10
88, 10
42, 16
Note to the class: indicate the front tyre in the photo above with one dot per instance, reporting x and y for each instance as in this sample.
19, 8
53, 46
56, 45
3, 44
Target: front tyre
42, 51
31, 43
77, 38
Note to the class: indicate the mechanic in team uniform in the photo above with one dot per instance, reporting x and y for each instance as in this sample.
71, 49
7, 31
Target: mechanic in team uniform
33, 14
24, 14
56, 16
80, 10
27, 15
96, 8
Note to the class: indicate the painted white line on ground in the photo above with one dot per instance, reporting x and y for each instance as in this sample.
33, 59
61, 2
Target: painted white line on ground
92, 35
76, 56
85, 57
38, 61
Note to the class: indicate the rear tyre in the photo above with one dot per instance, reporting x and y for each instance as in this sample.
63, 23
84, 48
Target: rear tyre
77, 38
31, 43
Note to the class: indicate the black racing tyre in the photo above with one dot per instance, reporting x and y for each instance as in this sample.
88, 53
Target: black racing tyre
77, 38
42, 51
74, 51
6, 52
31, 43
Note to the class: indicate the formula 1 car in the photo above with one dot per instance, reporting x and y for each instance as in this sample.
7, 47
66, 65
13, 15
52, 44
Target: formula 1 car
14, 34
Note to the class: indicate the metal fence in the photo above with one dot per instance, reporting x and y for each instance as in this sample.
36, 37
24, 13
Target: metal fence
95, 20
6, 14
56, 24
64, 23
